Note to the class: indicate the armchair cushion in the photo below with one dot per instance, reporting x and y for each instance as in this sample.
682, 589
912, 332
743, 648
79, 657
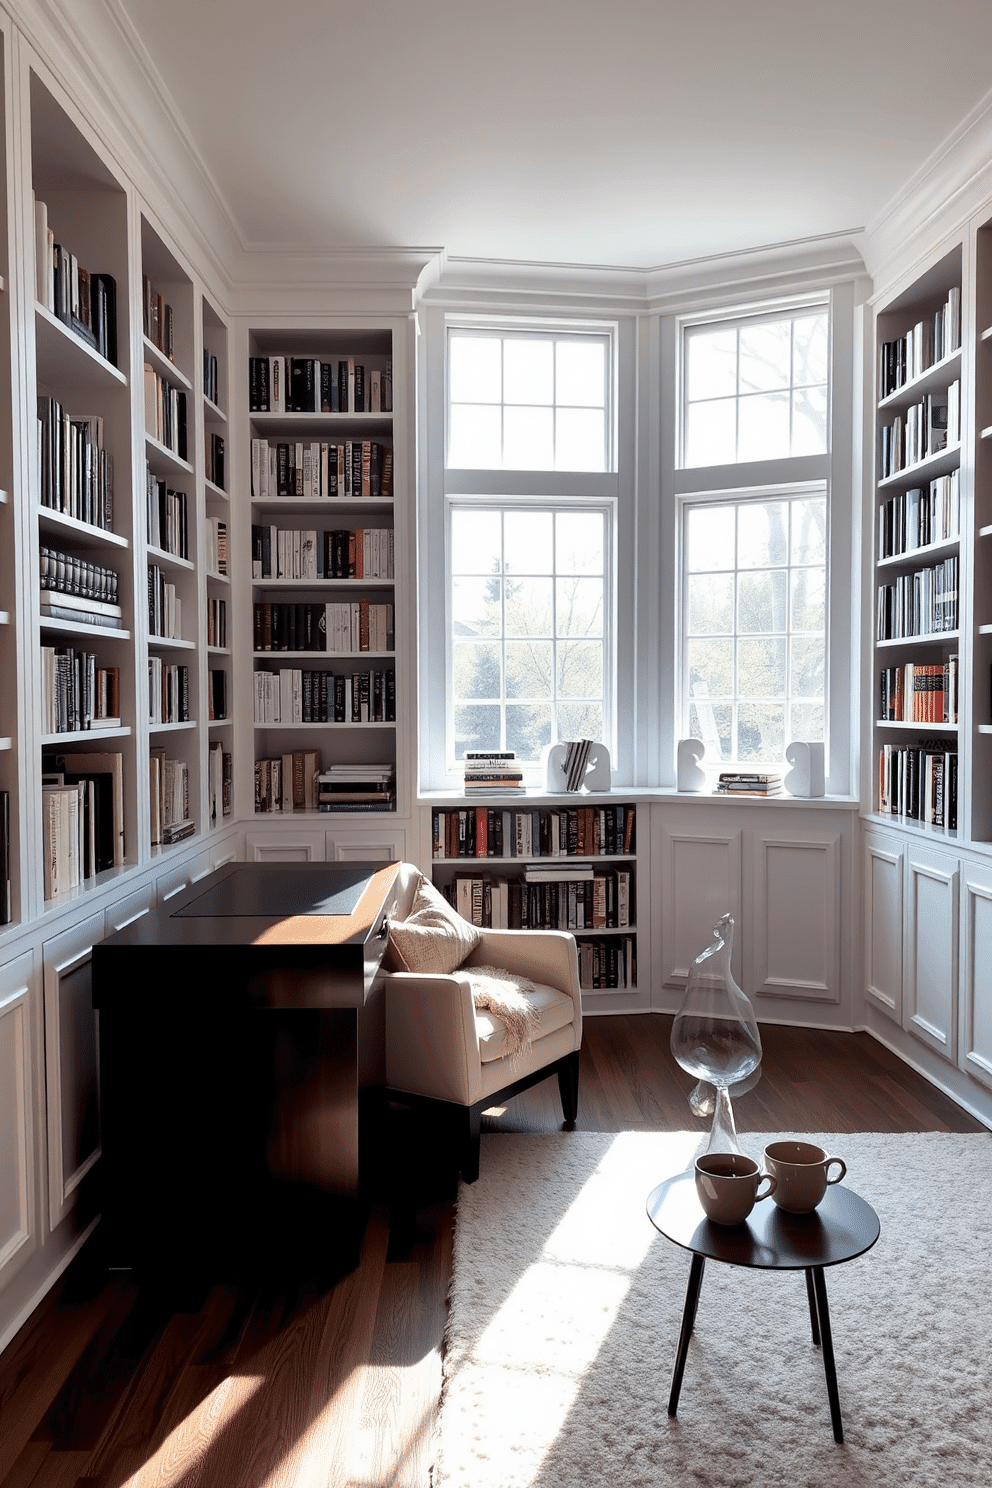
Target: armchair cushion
550, 1010
433, 939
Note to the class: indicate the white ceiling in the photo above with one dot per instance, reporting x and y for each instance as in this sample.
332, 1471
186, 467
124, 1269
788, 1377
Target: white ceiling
616, 132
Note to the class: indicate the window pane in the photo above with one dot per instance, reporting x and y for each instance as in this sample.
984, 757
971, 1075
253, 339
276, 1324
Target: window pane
761, 732
761, 668
477, 670
711, 364
528, 669
807, 722
528, 538
580, 669
710, 532
528, 439
528, 729
765, 356
810, 351
711, 433
711, 604
474, 437
580, 373
809, 531
764, 427
762, 602
528, 607
807, 680
809, 421
809, 599
528, 371
476, 542
476, 727
763, 534
474, 369
580, 721
579, 607
711, 669
580, 439
579, 542
475, 607
713, 723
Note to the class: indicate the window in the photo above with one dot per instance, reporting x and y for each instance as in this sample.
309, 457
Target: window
528, 401
754, 622
755, 389
528, 632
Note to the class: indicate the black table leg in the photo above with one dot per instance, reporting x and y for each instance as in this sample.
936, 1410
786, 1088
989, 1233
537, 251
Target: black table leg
823, 1318
688, 1323
814, 1325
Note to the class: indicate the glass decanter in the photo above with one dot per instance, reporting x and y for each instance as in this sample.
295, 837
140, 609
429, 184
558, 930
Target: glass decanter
715, 1036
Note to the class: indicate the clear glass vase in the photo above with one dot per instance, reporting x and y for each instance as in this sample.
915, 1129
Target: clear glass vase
715, 1036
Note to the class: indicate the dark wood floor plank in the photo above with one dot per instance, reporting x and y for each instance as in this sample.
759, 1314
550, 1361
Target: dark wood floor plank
27, 1465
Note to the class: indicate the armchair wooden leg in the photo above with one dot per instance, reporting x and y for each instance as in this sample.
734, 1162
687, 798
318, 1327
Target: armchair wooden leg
568, 1087
471, 1131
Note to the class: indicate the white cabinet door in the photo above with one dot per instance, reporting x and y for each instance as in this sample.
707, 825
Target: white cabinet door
18, 1217
367, 845
885, 868
976, 974
285, 844
793, 944
701, 876
71, 1063
930, 981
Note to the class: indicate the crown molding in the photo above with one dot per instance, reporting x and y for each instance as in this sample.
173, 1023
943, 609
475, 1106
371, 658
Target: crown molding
298, 280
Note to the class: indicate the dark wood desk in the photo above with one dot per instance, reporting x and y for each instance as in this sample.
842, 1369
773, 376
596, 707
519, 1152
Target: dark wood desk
235, 1034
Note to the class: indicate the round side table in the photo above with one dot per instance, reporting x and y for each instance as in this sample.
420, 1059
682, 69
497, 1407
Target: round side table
842, 1227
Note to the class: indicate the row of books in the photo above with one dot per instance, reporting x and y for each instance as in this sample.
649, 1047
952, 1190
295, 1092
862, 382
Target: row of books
86, 302
498, 771
292, 695
220, 781
166, 515
165, 412
920, 603
920, 692
216, 694
168, 797
215, 461
82, 816
77, 472
491, 831
311, 554
216, 622
211, 379
352, 626
749, 783
168, 691
165, 610
157, 319
285, 384
916, 518
75, 589
930, 340
592, 901
919, 782
356, 787
76, 692
926, 428
215, 542
287, 782
319, 469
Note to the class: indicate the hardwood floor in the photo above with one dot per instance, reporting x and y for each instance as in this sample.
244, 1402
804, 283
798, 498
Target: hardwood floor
283, 1385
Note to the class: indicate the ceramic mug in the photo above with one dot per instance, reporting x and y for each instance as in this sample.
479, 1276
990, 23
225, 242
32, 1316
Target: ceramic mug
802, 1170
727, 1184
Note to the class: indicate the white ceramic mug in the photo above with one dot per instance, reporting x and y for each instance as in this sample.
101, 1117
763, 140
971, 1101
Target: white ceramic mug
727, 1184
802, 1170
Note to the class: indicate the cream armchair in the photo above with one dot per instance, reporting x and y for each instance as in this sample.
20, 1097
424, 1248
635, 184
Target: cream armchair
440, 1049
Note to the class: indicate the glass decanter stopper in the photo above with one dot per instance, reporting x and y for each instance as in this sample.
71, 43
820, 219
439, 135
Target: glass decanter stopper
715, 1035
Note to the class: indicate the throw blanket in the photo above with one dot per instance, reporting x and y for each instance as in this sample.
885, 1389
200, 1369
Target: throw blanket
500, 992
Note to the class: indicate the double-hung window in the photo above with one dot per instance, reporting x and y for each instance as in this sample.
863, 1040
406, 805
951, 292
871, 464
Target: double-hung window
529, 518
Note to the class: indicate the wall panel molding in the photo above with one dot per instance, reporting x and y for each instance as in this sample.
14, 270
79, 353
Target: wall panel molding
885, 867
18, 1218
795, 889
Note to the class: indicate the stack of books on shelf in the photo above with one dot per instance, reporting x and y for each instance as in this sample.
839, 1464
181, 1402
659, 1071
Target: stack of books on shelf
749, 783
920, 692
77, 473
489, 831
920, 782
83, 817
210, 379
216, 622
221, 780
926, 428
167, 517
165, 617
286, 384
75, 589
83, 301
576, 760
287, 782
927, 342
158, 322
294, 695
357, 788
914, 519
920, 603
165, 412
215, 461
348, 627
318, 468
216, 546
493, 770
168, 692
216, 694
305, 553
168, 789
76, 693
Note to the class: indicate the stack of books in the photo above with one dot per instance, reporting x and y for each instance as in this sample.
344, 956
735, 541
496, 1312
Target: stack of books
357, 788
492, 770
576, 760
750, 783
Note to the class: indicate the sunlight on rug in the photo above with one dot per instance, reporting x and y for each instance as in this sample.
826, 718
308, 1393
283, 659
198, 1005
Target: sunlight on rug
565, 1310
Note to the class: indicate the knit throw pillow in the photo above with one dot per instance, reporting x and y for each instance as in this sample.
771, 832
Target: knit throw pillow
433, 939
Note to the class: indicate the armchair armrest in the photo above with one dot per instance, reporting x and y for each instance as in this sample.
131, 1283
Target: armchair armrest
547, 956
432, 1047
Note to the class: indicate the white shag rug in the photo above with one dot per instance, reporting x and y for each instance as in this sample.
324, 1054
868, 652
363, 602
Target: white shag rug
565, 1308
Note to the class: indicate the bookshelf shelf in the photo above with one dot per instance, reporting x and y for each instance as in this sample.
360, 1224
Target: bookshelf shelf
94, 633
329, 504
172, 728
985, 728
169, 643
929, 728
83, 736
6, 743
63, 360
166, 559
215, 493
936, 376
913, 557
163, 366
84, 534
350, 724
290, 423
941, 463
4, 617
160, 457
939, 638
212, 412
